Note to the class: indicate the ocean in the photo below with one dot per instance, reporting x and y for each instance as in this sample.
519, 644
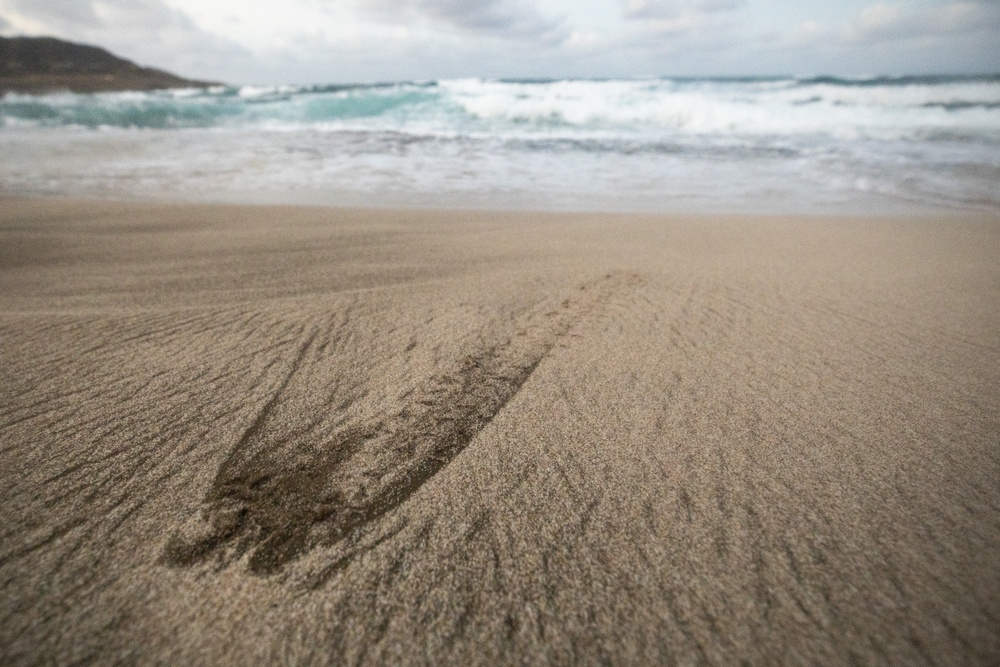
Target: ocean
784, 144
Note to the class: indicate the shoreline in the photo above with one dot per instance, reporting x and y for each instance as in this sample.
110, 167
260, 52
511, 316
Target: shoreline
477, 206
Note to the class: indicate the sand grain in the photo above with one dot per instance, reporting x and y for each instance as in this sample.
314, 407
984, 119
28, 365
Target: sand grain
253, 434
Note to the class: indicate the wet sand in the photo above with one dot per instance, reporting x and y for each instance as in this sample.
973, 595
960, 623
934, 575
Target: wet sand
236, 435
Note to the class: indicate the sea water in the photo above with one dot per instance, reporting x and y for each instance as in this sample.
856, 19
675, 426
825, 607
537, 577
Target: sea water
667, 144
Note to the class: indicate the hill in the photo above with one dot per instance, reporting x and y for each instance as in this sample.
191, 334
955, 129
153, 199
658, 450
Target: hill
44, 64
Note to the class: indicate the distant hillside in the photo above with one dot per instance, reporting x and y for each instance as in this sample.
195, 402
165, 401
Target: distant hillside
41, 64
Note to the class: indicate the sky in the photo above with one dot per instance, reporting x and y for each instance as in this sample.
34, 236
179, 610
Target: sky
321, 41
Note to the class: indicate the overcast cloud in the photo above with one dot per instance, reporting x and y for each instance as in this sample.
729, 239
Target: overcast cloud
259, 41
651, 9
147, 31
883, 22
508, 19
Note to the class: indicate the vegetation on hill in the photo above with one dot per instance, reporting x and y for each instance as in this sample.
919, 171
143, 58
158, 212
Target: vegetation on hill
44, 64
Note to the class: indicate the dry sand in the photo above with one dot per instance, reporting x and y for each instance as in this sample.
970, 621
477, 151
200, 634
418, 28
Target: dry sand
234, 435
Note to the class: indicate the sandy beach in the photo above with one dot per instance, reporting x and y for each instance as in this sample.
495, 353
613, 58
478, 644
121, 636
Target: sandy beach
279, 435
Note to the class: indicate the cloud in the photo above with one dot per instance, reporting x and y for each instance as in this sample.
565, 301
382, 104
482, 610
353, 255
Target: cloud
674, 26
883, 22
79, 12
509, 19
587, 41
147, 31
888, 37
69, 15
805, 34
674, 9
361, 40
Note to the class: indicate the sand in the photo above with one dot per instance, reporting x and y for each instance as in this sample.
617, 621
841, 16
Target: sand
238, 435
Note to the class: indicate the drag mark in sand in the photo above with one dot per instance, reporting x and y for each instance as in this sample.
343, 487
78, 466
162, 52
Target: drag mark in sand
276, 499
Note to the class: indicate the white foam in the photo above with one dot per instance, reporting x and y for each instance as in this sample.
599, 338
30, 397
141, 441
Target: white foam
573, 143
764, 108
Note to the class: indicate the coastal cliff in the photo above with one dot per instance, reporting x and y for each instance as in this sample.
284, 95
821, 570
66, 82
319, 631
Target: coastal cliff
46, 64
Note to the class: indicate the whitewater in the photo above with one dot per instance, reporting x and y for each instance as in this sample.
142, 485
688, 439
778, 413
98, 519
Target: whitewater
780, 144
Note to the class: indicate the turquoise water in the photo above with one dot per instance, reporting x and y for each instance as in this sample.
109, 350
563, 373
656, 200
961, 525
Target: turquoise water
815, 144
